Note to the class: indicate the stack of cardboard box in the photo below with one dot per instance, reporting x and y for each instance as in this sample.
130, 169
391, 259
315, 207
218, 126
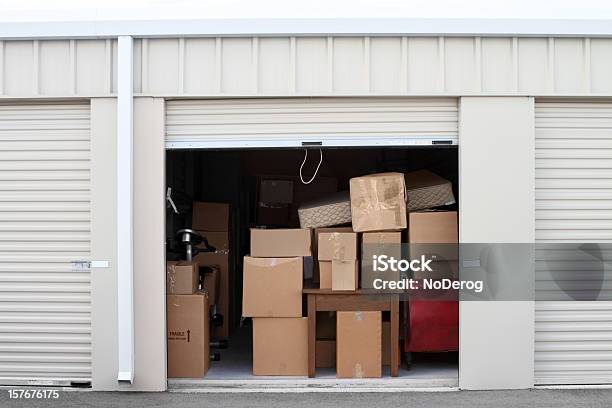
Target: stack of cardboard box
272, 295
212, 221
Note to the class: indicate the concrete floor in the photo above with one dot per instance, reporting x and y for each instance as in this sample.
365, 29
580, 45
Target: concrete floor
234, 372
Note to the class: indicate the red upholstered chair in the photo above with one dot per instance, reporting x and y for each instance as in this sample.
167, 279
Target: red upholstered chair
432, 326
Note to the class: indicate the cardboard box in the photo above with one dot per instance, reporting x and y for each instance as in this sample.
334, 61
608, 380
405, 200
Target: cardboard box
378, 202
331, 210
326, 326
315, 245
358, 345
272, 287
325, 275
280, 346
433, 234
387, 243
427, 190
325, 353
275, 190
337, 246
345, 275
182, 278
209, 277
280, 242
188, 335
210, 216
220, 258
276, 215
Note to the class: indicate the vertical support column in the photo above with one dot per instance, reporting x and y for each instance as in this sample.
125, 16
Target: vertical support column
125, 250
497, 193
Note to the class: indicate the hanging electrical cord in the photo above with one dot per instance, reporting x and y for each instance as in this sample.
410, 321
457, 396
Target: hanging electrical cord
316, 170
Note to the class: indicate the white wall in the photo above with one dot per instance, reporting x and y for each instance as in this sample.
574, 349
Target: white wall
497, 205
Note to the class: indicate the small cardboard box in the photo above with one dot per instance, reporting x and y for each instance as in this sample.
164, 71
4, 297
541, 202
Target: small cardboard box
280, 346
387, 243
427, 190
210, 282
337, 246
188, 335
334, 209
433, 234
325, 275
358, 345
181, 278
272, 287
210, 216
315, 246
378, 202
325, 356
345, 275
288, 242
275, 190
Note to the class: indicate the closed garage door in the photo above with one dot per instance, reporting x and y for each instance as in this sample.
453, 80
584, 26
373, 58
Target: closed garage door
44, 243
574, 237
294, 122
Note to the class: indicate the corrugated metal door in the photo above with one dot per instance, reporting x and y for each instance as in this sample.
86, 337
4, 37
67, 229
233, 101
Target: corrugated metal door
292, 122
45, 326
574, 241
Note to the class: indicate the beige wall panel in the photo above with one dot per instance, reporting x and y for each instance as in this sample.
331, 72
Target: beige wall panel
497, 65
312, 66
237, 66
533, 65
569, 65
423, 65
54, 70
200, 66
601, 65
19, 68
104, 243
163, 67
460, 64
349, 65
274, 61
387, 74
91, 67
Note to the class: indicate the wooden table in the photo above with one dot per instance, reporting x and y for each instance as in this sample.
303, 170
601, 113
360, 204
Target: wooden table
325, 300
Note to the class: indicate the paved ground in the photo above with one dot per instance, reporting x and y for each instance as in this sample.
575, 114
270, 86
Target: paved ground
474, 399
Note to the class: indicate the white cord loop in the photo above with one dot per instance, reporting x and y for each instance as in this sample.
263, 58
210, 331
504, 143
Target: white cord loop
317, 169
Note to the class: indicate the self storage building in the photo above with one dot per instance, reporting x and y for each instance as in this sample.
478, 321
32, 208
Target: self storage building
91, 113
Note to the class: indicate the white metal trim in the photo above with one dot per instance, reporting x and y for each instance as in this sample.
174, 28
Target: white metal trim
125, 250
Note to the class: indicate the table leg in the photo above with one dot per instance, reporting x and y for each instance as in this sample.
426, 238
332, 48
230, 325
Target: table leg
312, 333
394, 336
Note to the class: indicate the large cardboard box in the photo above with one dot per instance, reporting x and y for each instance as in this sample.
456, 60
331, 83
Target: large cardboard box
337, 246
378, 202
334, 209
280, 346
181, 278
210, 216
434, 234
427, 190
384, 243
220, 258
345, 275
275, 190
188, 335
358, 344
280, 242
325, 353
272, 287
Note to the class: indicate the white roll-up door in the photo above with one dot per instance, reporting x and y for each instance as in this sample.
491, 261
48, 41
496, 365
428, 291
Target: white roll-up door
574, 237
45, 326
298, 121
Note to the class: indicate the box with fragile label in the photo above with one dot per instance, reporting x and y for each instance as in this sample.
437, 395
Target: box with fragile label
427, 190
378, 202
358, 344
188, 335
337, 246
280, 346
284, 242
181, 278
331, 210
272, 287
